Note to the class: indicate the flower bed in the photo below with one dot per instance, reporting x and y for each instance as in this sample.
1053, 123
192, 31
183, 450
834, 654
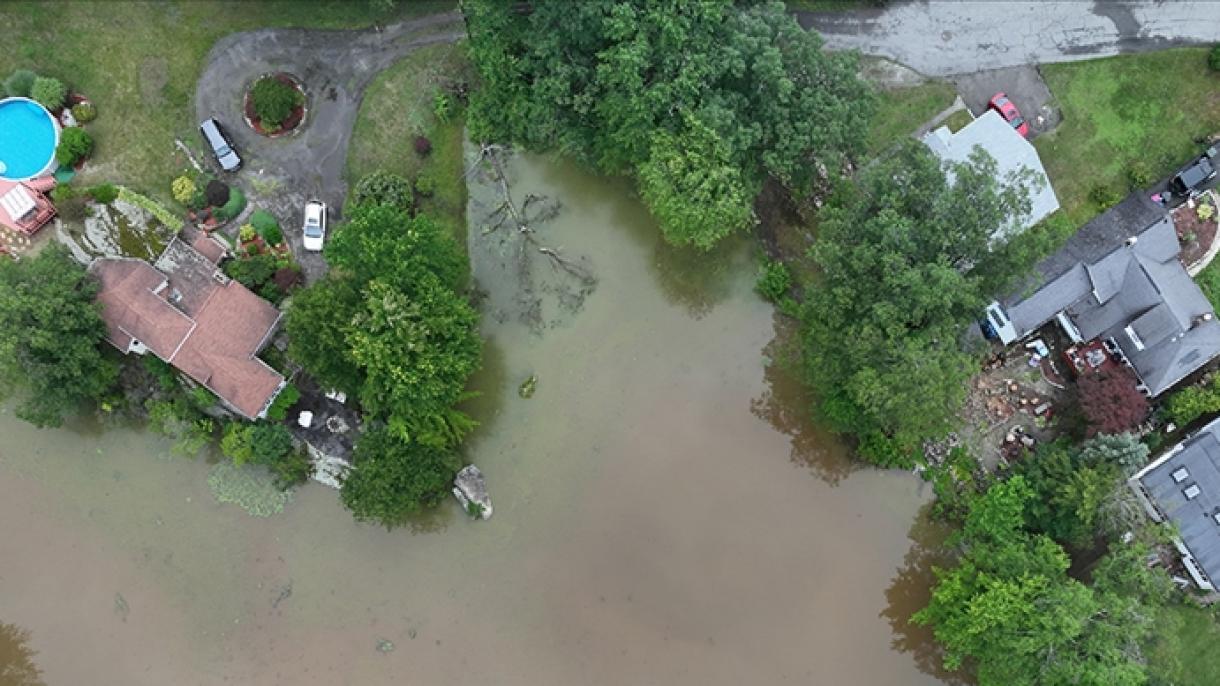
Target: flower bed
295, 116
1196, 228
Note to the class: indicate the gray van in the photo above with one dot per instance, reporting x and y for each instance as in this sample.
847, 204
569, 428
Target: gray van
220, 145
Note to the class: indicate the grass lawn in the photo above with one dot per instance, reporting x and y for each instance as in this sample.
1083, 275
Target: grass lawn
397, 107
958, 120
1135, 112
1185, 653
139, 61
902, 110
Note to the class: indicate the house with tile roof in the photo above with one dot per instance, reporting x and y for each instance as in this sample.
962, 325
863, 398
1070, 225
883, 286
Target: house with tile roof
188, 313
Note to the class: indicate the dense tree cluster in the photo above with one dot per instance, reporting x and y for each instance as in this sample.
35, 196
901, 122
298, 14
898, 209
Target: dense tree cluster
701, 100
389, 326
907, 261
1009, 607
50, 336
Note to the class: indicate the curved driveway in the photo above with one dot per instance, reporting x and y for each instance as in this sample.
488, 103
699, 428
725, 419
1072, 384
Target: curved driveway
941, 38
335, 67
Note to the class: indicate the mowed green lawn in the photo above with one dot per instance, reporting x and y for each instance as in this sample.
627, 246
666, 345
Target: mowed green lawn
1184, 653
139, 61
900, 111
1141, 111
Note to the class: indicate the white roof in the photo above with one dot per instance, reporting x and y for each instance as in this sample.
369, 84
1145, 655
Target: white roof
17, 202
1011, 152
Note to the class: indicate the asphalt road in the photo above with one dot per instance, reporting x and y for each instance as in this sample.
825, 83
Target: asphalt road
942, 38
280, 174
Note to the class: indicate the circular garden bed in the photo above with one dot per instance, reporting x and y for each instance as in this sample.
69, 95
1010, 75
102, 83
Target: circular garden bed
275, 105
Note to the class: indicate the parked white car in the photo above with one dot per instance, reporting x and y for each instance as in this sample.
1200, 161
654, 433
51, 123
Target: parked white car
315, 225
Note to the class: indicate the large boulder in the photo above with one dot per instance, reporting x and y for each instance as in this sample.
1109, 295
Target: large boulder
471, 491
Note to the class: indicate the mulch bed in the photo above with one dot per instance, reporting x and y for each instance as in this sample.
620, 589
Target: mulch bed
1194, 234
294, 119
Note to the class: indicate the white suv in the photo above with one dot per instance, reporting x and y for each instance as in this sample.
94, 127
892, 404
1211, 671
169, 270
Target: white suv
315, 225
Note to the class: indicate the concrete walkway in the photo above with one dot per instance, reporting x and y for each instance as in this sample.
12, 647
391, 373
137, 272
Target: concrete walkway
941, 38
335, 67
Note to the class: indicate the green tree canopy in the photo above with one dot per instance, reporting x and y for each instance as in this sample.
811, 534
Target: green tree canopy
908, 260
393, 479
1010, 608
718, 94
50, 336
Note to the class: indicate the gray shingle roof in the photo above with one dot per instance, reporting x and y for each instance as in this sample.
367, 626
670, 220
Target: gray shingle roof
1135, 287
1200, 456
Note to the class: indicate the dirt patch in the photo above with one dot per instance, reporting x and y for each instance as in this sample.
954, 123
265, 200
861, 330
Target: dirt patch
154, 75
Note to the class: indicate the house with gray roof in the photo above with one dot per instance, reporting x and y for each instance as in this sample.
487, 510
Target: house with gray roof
1182, 488
1125, 287
1015, 158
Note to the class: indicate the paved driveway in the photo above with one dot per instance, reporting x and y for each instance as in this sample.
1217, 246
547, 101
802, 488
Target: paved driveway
1023, 85
280, 174
940, 38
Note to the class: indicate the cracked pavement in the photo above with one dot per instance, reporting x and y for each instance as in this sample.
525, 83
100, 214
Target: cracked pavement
941, 38
281, 174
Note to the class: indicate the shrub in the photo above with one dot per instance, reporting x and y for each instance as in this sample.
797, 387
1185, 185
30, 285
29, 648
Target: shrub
1110, 402
423, 146
1205, 211
267, 227
383, 188
154, 208
442, 106
104, 193
274, 101
1192, 402
1104, 196
1213, 58
49, 92
252, 271
425, 184
282, 403
287, 278
271, 293
246, 233
217, 193
183, 189
1139, 175
774, 280
237, 203
61, 193
72, 209
75, 144
19, 83
84, 112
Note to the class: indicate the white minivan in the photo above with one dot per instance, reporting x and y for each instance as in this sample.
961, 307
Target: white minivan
314, 229
220, 145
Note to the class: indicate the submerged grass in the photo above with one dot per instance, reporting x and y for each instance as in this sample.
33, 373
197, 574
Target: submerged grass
1144, 112
139, 62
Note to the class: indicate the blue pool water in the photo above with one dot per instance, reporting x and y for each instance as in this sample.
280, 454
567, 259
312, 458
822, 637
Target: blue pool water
27, 138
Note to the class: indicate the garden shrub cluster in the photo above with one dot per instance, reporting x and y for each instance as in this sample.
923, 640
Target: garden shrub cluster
267, 445
19, 83
84, 112
155, 208
274, 101
184, 189
234, 207
267, 227
384, 188
49, 92
1192, 402
104, 193
283, 402
75, 144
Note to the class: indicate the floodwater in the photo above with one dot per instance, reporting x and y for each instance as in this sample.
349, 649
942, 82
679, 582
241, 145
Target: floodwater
664, 513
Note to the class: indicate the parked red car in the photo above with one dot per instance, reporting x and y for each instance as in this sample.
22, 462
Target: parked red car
1000, 103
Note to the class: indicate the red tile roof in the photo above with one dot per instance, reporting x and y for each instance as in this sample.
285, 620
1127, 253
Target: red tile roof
216, 347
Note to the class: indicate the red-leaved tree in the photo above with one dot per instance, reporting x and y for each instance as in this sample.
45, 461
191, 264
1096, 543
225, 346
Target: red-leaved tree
1110, 402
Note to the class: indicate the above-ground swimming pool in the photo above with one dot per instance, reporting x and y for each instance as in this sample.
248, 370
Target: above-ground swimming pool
28, 136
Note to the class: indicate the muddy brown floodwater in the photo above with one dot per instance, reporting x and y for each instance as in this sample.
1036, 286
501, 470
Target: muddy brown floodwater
664, 514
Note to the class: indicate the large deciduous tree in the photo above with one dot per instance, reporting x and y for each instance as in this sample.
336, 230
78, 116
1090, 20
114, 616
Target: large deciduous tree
393, 479
50, 336
716, 95
1009, 607
908, 258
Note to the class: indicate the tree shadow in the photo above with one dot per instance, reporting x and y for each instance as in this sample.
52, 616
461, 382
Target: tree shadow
911, 589
787, 405
693, 279
17, 666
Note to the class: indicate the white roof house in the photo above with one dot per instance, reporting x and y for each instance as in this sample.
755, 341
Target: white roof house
1012, 154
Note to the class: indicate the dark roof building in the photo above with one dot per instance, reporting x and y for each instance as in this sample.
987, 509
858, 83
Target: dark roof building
1183, 487
188, 313
1119, 280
